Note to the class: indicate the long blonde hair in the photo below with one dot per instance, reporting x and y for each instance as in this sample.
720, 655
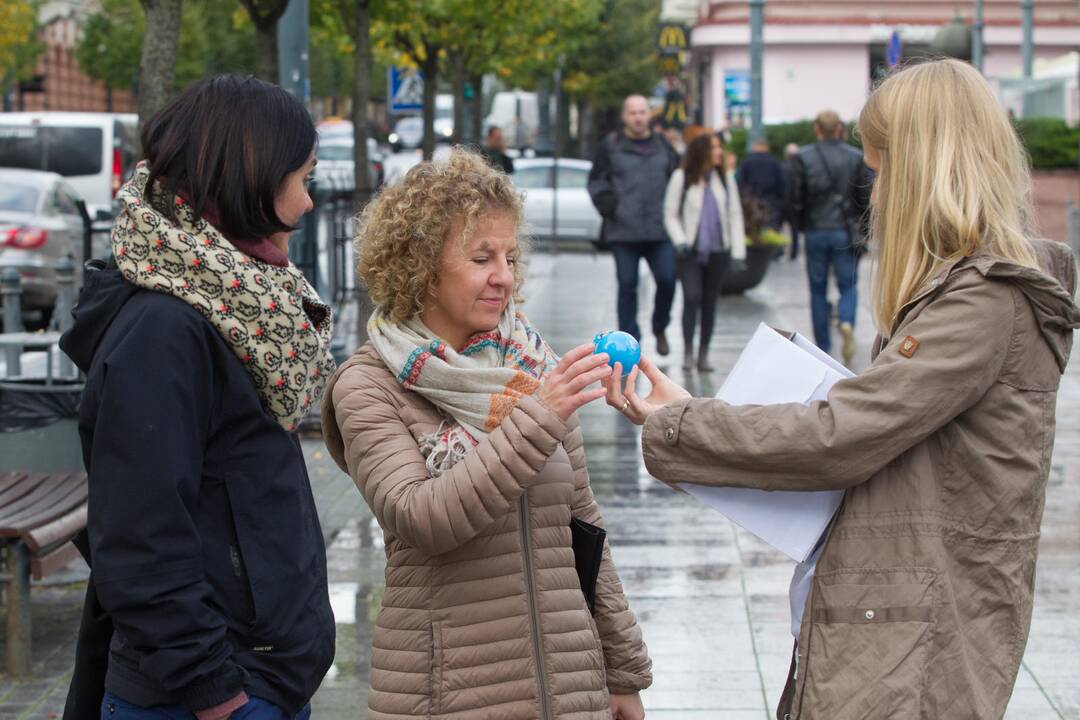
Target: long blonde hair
954, 179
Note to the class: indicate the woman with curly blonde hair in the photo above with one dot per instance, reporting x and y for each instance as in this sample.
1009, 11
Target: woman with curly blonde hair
457, 422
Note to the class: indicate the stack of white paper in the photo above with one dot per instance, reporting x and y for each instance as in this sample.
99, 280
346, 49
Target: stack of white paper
774, 369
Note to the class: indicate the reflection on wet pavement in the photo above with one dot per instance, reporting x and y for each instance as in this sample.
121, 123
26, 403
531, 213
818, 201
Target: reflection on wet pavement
712, 599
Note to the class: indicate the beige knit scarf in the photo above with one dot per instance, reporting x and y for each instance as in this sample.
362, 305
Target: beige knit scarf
270, 316
475, 387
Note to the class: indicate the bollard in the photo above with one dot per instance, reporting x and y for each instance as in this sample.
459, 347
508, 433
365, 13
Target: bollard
65, 278
10, 299
1072, 226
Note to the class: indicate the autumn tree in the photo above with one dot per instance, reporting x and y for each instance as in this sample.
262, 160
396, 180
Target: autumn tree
19, 44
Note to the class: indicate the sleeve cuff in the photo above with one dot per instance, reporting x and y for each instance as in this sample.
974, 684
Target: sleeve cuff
225, 709
221, 687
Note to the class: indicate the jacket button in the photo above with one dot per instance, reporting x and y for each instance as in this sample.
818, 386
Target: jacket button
869, 614
670, 433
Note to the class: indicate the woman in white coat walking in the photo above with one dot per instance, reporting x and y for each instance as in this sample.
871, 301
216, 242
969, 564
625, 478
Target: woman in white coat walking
703, 217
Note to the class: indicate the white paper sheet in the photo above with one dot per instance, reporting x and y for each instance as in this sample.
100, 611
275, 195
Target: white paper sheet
771, 370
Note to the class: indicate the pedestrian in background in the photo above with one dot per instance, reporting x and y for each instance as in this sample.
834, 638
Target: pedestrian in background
790, 151
203, 348
458, 425
495, 150
703, 218
921, 590
829, 195
761, 181
629, 174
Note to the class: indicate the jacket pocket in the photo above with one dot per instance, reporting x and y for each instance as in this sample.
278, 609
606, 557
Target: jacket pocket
436, 668
870, 632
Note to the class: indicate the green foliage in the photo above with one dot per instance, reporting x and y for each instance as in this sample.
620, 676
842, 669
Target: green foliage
111, 43
19, 43
213, 39
1050, 142
615, 56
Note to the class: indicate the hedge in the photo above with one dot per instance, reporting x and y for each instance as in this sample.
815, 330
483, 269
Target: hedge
1050, 141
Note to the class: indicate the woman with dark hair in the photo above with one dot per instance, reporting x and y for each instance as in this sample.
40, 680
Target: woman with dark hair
203, 349
703, 218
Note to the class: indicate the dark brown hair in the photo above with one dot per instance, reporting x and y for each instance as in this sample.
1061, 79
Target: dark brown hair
698, 159
226, 144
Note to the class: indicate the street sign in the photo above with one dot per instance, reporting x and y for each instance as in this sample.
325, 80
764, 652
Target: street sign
672, 40
737, 89
893, 50
405, 88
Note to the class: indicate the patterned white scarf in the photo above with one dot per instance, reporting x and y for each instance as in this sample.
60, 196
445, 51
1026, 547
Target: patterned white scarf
476, 387
270, 316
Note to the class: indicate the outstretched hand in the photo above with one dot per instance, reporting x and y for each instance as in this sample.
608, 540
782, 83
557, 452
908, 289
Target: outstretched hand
567, 387
626, 400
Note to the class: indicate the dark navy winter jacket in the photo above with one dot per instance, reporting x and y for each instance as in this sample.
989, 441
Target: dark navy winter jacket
205, 547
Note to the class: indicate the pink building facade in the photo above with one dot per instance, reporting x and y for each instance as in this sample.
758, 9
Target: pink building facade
824, 54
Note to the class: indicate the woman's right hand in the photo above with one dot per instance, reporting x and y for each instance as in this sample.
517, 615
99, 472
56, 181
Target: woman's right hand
566, 388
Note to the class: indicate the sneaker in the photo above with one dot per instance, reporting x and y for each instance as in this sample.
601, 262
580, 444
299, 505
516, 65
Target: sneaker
662, 347
703, 364
847, 335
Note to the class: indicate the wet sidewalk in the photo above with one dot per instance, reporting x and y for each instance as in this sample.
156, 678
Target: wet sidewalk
712, 599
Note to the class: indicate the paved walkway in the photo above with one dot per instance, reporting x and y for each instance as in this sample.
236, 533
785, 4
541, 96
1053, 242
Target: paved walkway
711, 598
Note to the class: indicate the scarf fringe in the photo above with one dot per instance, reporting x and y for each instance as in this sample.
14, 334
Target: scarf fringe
445, 447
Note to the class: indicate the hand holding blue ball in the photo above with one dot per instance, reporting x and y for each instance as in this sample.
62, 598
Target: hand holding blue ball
620, 347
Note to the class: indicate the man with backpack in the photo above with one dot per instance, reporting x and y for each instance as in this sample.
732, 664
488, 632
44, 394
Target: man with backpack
629, 175
829, 193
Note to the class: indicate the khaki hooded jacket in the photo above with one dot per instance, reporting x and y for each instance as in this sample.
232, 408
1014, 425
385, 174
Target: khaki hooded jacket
922, 598
483, 617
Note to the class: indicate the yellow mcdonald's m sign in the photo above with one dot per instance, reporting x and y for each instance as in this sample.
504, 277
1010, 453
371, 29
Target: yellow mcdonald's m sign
672, 40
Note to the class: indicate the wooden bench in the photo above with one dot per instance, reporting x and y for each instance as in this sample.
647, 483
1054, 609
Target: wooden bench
39, 516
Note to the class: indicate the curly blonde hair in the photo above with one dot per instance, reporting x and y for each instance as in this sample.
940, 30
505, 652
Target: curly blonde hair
403, 230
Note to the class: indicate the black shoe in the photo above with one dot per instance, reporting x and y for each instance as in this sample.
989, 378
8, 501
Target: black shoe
662, 347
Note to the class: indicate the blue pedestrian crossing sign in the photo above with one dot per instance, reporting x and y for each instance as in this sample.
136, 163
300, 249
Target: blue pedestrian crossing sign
405, 89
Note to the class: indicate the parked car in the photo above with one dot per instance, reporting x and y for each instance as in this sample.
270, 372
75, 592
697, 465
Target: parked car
39, 224
409, 131
335, 167
576, 218
94, 152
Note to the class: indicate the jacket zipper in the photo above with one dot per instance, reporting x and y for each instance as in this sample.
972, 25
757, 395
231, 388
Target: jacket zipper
534, 613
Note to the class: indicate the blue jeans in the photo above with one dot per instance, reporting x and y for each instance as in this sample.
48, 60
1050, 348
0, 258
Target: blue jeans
660, 255
113, 708
825, 249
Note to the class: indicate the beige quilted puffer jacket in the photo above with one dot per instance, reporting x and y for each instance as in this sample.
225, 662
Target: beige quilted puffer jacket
483, 616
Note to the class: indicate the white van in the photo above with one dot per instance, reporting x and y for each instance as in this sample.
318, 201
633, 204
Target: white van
94, 152
517, 114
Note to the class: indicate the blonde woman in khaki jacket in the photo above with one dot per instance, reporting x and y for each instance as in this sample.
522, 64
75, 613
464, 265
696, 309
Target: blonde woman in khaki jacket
921, 598
457, 423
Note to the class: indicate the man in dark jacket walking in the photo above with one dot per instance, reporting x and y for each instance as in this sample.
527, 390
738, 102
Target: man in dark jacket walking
829, 193
627, 183
761, 180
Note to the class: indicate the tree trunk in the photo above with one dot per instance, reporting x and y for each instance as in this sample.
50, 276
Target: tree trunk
477, 119
161, 37
361, 95
430, 66
266, 53
458, 81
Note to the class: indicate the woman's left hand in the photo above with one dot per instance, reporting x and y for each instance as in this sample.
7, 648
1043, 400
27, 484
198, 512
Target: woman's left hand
664, 391
627, 707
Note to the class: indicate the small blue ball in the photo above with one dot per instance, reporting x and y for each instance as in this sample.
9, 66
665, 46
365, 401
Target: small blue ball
620, 347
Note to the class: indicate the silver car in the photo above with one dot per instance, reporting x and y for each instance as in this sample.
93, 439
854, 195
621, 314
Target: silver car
39, 223
568, 209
